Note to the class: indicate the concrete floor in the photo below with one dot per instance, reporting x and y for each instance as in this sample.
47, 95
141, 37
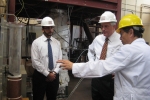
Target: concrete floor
78, 89
82, 92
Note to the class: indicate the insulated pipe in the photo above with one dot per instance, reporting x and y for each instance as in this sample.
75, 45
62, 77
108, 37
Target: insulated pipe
14, 79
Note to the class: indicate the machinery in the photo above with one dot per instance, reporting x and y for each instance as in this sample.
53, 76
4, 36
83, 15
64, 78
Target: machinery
76, 26
62, 33
10, 73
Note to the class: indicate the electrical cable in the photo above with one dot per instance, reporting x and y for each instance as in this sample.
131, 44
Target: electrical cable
26, 10
41, 14
28, 6
75, 62
131, 10
81, 79
31, 6
81, 54
21, 7
33, 10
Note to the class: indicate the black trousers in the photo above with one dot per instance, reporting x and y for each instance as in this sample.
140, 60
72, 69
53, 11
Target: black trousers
103, 88
40, 87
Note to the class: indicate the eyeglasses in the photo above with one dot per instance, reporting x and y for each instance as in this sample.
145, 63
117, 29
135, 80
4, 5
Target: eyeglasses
49, 27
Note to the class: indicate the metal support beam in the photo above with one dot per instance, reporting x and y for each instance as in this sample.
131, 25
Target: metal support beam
118, 13
11, 10
90, 3
88, 33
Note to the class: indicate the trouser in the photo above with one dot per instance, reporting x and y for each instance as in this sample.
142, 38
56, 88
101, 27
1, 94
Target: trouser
41, 87
103, 88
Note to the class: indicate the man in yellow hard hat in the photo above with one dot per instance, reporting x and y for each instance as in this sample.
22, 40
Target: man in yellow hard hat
131, 64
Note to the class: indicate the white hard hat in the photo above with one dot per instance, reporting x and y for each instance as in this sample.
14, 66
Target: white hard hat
47, 21
107, 16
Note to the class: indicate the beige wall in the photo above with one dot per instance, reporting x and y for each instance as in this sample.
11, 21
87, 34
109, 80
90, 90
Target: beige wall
135, 6
2, 3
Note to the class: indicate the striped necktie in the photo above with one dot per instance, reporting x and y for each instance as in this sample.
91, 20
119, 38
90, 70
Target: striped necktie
104, 50
50, 55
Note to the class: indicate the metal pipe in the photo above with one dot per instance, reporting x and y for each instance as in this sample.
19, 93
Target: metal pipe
11, 10
10, 15
2, 6
141, 9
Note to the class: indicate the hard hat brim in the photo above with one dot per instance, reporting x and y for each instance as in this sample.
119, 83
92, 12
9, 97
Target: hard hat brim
107, 21
118, 30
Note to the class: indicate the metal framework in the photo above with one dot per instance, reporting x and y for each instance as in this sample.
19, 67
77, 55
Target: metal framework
80, 9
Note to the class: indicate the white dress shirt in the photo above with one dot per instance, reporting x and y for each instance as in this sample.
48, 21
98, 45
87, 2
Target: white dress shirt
131, 65
114, 43
39, 54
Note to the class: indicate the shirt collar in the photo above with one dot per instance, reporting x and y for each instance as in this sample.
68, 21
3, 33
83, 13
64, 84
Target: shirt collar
138, 40
45, 38
112, 37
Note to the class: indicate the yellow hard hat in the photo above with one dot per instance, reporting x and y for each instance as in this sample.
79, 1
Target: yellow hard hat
129, 20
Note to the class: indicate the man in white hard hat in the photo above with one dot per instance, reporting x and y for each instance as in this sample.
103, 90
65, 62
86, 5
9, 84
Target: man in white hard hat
131, 63
45, 51
103, 87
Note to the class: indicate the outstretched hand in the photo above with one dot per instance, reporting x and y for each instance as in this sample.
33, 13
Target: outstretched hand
66, 64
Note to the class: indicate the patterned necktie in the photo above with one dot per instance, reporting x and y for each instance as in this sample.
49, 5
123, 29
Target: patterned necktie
50, 55
104, 49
